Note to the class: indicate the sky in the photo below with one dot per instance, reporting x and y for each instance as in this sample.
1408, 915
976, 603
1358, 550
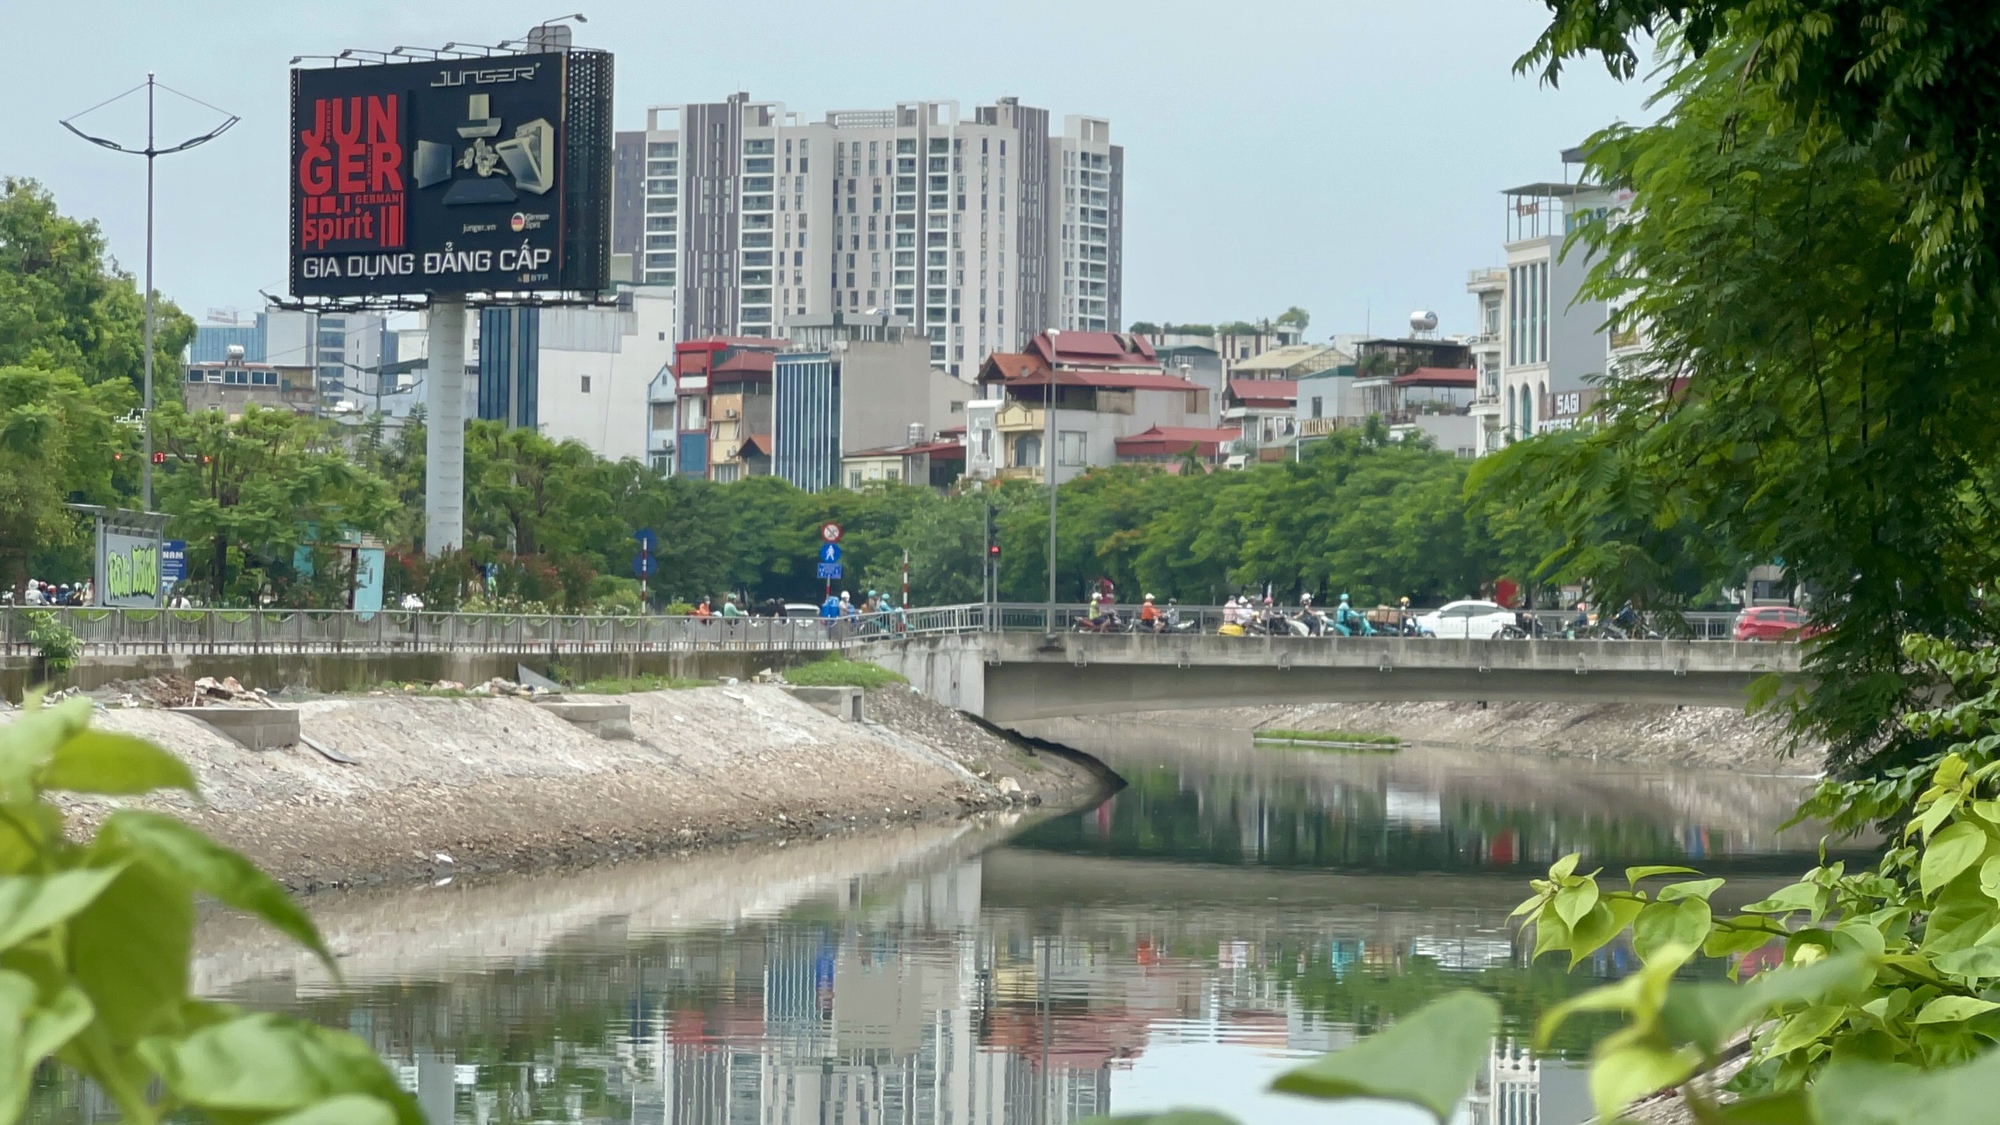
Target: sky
1345, 156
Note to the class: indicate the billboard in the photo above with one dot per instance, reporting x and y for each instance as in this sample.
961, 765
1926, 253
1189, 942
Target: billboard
453, 176
128, 568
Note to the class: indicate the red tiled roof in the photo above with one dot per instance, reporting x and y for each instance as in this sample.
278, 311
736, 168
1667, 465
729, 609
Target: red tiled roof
1010, 365
1438, 377
1264, 390
1174, 440
744, 362
1094, 348
942, 450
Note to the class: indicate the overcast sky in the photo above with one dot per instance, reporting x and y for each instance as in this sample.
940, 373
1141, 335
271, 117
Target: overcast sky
1345, 156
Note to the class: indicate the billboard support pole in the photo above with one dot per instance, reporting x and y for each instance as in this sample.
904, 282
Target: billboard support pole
444, 429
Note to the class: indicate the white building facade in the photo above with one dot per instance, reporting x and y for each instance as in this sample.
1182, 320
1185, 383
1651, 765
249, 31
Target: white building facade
978, 229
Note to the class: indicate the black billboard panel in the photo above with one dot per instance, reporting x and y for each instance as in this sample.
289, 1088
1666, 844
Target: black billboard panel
452, 177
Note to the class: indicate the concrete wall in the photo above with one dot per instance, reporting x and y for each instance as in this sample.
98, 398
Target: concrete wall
336, 672
1018, 676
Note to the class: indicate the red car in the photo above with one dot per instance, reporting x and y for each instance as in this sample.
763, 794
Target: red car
1774, 623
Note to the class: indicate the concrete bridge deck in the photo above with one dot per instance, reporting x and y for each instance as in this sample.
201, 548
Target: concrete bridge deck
1011, 677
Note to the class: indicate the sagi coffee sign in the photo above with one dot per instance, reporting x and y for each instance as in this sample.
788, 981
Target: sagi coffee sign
452, 177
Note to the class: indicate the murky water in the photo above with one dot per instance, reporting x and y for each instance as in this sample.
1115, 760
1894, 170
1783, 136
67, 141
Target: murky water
1235, 909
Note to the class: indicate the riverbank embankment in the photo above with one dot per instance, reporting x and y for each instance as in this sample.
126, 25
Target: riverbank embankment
1701, 738
443, 786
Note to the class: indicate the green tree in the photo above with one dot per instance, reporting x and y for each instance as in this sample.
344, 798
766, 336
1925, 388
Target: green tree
64, 305
246, 493
1796, 399
1295, 317
1916, 82
58, 438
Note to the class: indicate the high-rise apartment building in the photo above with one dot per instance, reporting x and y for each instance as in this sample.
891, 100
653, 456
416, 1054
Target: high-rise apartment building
978, 230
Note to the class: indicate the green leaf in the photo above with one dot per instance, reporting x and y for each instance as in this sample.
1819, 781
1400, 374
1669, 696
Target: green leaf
29, 1034
1872, 1093
214, 870
1428, 1059
30, 904
1603, 923
129, 952
1806, 1026
1634, 874
1951, 1009
1978, 961
1989, 878
1575, 902
31, 740
266, 1063
1796, 896
1560, 869
95, 761
1621, 1077
1950, 853
1697, 888
1678, 923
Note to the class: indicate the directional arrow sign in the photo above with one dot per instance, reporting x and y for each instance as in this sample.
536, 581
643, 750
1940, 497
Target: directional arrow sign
642, 565
648, 542
829, 552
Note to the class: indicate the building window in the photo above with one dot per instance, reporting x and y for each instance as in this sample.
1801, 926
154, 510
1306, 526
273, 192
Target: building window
586, 384
1072, 448
1027, 451
854, 478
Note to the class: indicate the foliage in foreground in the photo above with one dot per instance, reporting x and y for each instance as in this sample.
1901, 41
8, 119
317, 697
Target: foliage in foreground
95, 940
1877, 1005
1794, 398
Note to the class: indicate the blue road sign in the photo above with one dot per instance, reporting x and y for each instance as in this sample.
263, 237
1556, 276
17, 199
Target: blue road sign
642, 565
829, 552
648, 542
830, 570
174, 560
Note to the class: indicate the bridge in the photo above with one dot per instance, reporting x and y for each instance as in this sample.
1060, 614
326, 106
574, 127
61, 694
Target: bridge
1005, 663
1013, 677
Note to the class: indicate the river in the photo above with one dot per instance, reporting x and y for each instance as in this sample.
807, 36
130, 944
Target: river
1234, 909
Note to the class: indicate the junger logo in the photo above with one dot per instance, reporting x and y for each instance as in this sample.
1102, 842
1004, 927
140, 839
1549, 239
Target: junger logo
485, 77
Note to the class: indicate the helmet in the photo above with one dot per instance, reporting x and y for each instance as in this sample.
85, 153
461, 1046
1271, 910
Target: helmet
844, 595
1305, 599
1097, 597
1406, 600
1149, 597
1343, 597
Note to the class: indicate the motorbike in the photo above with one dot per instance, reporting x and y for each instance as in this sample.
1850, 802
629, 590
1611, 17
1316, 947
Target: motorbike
1526, 627
1107, 622
1353, 624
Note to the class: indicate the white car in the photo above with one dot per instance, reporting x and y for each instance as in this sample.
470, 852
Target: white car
1481, 621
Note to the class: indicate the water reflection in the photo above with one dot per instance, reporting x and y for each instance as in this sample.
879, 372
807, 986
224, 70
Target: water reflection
1232, 912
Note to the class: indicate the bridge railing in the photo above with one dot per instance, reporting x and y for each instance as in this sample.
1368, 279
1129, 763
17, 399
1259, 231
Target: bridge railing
109, 631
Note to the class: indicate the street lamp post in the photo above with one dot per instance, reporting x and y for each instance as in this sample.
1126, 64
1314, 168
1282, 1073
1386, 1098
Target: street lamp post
150, 152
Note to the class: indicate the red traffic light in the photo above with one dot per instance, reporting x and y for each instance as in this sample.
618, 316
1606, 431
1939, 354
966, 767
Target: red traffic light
993, 549
159, 458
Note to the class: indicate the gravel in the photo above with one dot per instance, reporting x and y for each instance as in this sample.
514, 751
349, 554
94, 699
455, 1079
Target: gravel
461, 785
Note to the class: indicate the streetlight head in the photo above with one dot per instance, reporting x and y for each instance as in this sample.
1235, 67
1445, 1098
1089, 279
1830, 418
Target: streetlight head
345, 54
296, 60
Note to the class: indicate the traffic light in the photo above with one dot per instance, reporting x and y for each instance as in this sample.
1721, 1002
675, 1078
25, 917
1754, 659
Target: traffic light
993, 550
159, 458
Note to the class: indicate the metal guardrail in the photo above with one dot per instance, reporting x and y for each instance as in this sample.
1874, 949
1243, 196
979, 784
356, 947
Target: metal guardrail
252, 631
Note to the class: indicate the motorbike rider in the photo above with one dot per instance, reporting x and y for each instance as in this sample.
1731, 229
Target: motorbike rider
1311, 618
1172, 618
1406, 621
1150, 618
1350, 621
1580, 624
